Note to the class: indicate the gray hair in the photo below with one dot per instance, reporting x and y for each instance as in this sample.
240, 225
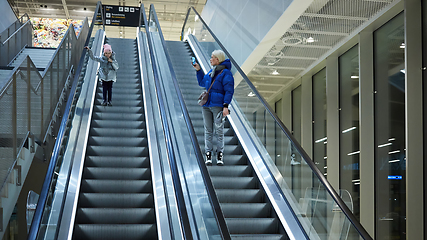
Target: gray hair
220, 55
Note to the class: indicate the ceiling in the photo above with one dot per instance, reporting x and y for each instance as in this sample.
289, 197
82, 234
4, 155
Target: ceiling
171, 13
318, 30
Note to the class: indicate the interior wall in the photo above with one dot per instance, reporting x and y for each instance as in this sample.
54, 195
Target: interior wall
7, 16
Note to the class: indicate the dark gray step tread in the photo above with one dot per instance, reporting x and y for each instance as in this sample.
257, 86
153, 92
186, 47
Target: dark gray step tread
246, 210
105, 123
116, 216
117, 162
252, 225
118, 109
113, 132
231, 171
117, 200
118, 116
121, 96
258, 237
115, 231
117, 173
240, 195
116, 186
118, 141
234, 183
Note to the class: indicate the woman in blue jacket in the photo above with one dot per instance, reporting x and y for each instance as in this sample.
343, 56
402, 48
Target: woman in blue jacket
216, 108
107, 72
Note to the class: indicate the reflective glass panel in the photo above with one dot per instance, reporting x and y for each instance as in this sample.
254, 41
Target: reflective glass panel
319, 121
349, 125
390, 155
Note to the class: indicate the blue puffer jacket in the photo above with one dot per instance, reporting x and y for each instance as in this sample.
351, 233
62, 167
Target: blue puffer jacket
223, 88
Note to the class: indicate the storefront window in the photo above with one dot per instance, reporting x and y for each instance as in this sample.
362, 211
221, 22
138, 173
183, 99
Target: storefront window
319, 121
390, 155
349, 125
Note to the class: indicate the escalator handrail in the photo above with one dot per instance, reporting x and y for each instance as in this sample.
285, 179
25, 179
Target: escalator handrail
37, 218
173, 165
335, 196
219, 216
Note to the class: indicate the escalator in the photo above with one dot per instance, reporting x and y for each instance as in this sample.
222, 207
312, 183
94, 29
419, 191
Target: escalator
246, 209
117, 193
116, 197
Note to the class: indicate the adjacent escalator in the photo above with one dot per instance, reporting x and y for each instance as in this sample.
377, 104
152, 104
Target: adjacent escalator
246, 209
116, 194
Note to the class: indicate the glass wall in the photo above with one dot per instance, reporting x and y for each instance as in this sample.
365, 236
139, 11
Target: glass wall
389, 108
296, 113
349, 125
319, 121
296, 131
278, 150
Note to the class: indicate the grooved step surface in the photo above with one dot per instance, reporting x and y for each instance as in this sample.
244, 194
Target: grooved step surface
116, 193
247, 213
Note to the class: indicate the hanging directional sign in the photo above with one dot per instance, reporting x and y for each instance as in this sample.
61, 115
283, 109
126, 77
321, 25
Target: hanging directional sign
121, 16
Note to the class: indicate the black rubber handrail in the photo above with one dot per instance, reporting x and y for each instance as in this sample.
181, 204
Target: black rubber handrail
219, 216
36, 222
335, 196
185, 222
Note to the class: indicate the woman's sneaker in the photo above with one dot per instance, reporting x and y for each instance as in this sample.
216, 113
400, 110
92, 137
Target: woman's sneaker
208, 158
219, 159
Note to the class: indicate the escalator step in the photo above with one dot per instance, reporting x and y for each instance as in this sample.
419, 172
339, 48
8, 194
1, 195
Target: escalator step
252, 225
117, 162
115, 215
115, 231
258, 237
234, 183
246, 210
118, 116
117, 132
117, 151
114, 200
230, 171
116, 173
118, 109
128, 97
240, 195
116, 186
117, 124
117, 141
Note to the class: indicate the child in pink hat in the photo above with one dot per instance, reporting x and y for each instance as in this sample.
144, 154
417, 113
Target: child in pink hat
107, 72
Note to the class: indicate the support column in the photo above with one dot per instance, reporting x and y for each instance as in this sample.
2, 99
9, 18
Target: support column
414, 121
332, 125
367, 143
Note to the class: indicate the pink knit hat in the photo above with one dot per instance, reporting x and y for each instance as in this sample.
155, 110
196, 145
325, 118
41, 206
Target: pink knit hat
107, 48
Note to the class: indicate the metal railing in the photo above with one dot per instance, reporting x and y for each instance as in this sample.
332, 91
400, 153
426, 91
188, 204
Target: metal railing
44, 207
315, 203
29, 100
13, 39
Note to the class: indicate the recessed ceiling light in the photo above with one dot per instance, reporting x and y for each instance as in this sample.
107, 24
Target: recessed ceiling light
310, 40
275, 72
